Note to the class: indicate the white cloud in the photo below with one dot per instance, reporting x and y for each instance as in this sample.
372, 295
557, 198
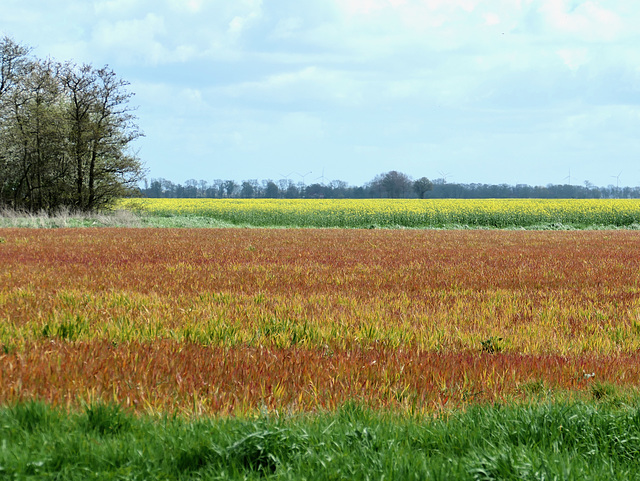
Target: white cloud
309, 83
287, 27
118, 7
188, 6
574, 58
251, 11
588, 21
357, 7
590, 123
491, 18
134, 40
155, 33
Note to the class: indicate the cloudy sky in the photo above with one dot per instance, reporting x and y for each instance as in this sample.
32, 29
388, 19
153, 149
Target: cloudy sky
500, 91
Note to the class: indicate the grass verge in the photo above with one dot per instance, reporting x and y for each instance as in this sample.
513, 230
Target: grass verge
584, 441
67, 218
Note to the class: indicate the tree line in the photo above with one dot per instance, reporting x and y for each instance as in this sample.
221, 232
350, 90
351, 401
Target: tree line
391, 184
65, 131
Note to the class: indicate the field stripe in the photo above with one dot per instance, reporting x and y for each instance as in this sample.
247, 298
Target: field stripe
168, 376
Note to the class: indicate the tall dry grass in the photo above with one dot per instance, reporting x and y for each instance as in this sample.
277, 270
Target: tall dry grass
66, 217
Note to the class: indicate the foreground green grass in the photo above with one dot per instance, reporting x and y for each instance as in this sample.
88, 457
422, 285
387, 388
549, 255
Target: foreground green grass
549, 441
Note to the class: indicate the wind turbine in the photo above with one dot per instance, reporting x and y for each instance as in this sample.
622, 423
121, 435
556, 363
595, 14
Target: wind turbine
617, 177
444, 175
302, 175
568, 177
321, 177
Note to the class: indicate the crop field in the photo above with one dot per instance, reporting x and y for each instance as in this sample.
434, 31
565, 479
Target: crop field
411, 213
237, 321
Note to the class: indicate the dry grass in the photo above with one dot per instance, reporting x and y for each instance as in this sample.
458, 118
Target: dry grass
64, 217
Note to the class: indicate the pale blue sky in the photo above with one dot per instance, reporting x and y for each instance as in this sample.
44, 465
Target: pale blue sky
501, 91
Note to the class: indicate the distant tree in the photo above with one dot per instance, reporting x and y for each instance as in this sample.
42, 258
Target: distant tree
422, 186
316, 191
169, 188
230, 187
217, 188
339, 188
359, 192
292, 191
392, 184
155, 189
257, 189
191, 189
203, 186
247, 190
271, 190
284, 184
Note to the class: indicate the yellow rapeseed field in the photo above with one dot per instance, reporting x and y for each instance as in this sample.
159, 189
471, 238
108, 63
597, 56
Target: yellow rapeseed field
398, 212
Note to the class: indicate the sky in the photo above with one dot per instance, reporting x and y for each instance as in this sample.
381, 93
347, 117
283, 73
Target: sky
504, 91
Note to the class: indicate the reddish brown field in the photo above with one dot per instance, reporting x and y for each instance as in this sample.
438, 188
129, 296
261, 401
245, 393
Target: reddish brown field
225, 321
